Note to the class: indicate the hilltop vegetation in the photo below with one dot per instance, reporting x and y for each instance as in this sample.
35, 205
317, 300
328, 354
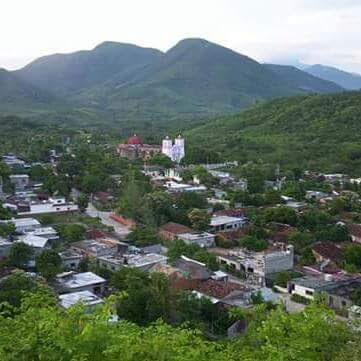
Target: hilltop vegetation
315, 132
126, 84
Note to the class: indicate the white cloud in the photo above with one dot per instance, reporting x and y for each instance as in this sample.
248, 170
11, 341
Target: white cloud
316, 31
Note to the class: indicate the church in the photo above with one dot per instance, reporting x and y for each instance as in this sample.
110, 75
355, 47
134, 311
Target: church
135, 148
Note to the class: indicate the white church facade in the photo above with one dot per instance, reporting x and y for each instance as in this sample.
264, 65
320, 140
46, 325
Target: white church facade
175, 151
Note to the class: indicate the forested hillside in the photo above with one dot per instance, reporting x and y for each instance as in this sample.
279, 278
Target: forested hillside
320, 132
129, 84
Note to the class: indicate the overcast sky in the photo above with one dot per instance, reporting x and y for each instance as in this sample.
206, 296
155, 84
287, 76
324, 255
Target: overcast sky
284, 31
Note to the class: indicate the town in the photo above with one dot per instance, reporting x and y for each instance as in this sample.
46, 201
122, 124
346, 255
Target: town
92, 220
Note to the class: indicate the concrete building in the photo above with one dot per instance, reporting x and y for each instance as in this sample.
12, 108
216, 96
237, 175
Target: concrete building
202, 239
53, 205
171, 230
338, 292
135, 148
87, 298
70, 282
96, 248
259, 265
47, 232
39, 244
19, 181
227, 223
70, 259
4, 247
13, 162
140, 261
24, 225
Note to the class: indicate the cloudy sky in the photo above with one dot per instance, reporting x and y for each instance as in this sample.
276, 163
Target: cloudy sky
284, 31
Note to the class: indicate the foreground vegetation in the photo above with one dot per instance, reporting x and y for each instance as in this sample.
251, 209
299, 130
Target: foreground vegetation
42, 331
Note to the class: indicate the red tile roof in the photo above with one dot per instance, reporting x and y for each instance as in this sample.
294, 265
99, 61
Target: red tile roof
175, 228
355, 230
328, 250
217, 289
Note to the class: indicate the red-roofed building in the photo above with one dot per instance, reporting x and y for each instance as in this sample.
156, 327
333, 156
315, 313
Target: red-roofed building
327, 251
170, 231
355, 231
134, 148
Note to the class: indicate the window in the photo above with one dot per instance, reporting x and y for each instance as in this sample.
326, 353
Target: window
330, 301
343, 303
309, 293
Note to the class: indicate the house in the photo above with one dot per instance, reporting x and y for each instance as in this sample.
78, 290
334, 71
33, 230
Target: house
259, 265
23, 225
315, 195
70, 259
87, 298
39, 244
171, 230
96, 248
232, 212
47, 232
141, 261
327, 252
52, 205
4, 247
13, 162
338, 292
19, 181
69, 282
227, 223
202, 239
191, 269
355, 231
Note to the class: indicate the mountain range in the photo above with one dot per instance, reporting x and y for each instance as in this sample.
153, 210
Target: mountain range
121, 82
349, 81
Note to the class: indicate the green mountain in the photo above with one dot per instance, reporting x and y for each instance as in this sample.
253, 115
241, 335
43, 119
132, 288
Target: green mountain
194, 79
347, 80
303, 81
18, 96
67, 74
318, 132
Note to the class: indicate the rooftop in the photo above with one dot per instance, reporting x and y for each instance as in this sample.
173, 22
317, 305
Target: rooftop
75, 280
219, 220
328, 250
175, 228
88, 298
34, 241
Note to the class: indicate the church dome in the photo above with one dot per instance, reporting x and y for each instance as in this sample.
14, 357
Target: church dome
135, 140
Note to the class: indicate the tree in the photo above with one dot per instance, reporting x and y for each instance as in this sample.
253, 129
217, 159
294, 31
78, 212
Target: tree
142, 237
72, 232
282, 278
20, 254
12, 288
254, 244
282, 215
6, 229
48, 263
199, 219
82, 202
353, 255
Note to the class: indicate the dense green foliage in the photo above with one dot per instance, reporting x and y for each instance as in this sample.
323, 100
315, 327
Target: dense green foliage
315, 132
42, 331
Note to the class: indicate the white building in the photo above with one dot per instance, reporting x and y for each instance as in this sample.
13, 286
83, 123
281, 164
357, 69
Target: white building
70, 282
70, 259
226, 223
19, 181
176, 151
47, 232
259, 265
53, 205
39, 244
23, 225
4, 247
87, 298
202, 239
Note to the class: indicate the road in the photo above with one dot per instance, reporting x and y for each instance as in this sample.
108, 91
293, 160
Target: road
119, 229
